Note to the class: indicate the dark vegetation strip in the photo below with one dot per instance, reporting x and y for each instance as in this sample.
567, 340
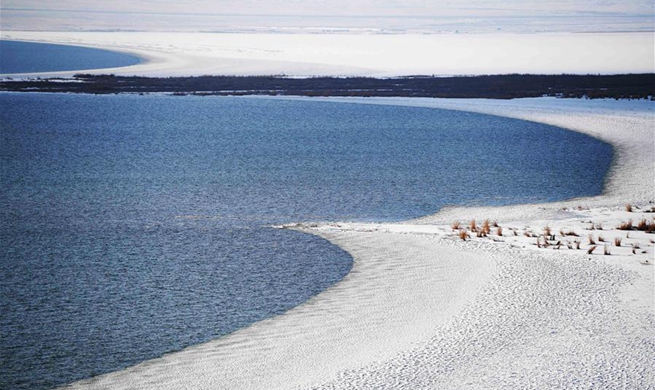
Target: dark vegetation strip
624, 86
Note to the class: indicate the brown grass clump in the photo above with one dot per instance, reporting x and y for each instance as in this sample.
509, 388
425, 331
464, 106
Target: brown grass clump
591, 250
499, 231
455, 225
599, 226
626, 225
601, 239
473, 226
628, 207
617, 241
591, 240
577, 244
486, 227
645, 226
463, 234
547, 231
606, 250
650, 228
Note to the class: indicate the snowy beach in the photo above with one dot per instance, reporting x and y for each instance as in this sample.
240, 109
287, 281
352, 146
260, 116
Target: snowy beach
351, 54
423, 308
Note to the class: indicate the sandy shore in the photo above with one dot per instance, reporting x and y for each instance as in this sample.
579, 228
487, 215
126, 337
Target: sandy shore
422, 308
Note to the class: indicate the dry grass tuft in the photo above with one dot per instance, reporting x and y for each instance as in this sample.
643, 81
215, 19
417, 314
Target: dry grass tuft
601, 239
617, 241
628, 207
651, 228
455, 225
547, 231
463, 235
499, 231
626, 225
591, 240
473, 226
599, 226
606, 250
590, 250
486, 229
577, 244
645, 226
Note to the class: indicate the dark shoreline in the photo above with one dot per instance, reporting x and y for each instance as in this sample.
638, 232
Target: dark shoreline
623, 86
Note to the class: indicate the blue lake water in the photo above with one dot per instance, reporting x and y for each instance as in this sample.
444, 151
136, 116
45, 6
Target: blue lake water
28, 57
133, 226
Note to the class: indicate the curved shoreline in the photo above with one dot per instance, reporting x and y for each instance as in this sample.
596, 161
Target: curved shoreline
419, 300
144, 59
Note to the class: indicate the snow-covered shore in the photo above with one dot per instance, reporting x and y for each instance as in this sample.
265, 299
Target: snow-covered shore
378, 55
423, 308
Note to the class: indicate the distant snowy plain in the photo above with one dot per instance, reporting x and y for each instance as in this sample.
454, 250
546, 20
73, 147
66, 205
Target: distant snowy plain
377, 55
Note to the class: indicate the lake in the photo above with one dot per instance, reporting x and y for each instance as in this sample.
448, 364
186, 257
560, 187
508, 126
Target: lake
29, 57
139, 225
